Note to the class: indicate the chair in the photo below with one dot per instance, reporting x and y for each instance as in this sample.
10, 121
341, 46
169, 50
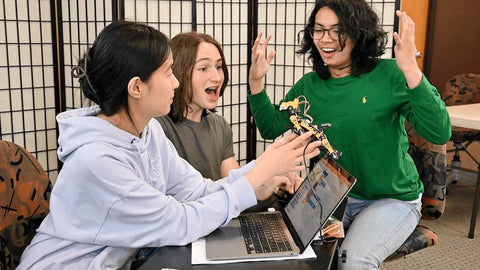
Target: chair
459, 90
430, 160
24, 201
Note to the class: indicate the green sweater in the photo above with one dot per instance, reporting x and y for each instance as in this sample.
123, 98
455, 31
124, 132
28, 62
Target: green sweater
367, 114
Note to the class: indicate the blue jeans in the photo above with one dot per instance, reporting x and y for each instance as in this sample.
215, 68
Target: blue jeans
375, 229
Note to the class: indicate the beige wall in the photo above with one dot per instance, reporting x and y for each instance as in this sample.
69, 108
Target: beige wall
454, 40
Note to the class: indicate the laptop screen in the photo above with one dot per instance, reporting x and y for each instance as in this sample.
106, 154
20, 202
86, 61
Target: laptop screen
317, 198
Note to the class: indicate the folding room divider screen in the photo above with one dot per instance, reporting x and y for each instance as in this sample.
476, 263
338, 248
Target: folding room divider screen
41, 40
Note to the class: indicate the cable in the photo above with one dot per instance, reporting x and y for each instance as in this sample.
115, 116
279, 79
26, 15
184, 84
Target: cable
306, 107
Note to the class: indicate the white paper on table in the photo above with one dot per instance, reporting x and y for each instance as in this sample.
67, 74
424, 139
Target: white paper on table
199, 255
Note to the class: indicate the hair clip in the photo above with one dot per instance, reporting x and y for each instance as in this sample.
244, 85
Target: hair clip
78, 72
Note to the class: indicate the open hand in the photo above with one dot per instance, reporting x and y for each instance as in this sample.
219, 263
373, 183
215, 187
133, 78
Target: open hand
260, 64
405, 50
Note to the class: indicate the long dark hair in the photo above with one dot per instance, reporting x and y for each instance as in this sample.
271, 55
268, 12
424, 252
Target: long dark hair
121, 51
184, 50
358, 21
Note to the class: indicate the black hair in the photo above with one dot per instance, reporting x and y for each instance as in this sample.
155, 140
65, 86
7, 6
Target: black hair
121, 51
358, 21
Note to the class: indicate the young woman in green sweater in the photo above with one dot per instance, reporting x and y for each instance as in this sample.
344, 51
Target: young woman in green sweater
366, 100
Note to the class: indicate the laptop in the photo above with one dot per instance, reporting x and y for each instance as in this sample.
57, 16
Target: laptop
317, 198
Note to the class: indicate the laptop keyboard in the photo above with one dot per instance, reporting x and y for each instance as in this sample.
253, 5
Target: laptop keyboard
263, 234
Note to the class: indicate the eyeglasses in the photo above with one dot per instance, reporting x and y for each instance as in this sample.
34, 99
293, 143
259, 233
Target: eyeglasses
318, 33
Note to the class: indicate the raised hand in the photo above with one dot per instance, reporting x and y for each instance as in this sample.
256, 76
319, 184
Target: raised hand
405, 50
260, 64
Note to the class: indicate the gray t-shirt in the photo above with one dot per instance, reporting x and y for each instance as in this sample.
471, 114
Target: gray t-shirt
204, 145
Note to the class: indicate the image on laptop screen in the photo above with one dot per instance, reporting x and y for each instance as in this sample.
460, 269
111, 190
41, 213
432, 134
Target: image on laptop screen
317, 198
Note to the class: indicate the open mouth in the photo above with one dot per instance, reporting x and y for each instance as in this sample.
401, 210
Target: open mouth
211, 90
328, 50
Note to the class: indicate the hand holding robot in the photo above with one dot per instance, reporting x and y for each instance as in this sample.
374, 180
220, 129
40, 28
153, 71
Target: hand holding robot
301, 125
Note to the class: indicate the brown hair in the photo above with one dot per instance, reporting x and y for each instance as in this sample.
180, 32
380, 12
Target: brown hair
184, 50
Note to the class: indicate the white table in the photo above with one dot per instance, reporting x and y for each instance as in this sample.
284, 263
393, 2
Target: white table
468, 116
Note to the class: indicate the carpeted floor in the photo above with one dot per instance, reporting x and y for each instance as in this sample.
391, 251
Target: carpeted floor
454, 249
